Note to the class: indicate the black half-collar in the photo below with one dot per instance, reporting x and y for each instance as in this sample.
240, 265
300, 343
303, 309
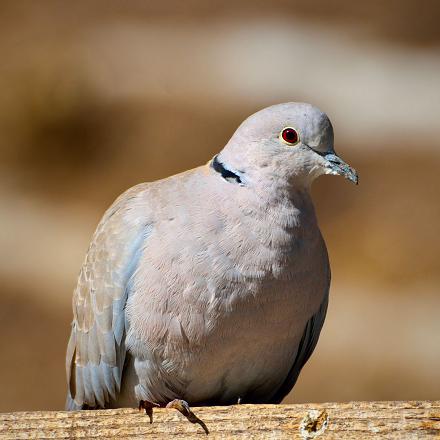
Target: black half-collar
230, 176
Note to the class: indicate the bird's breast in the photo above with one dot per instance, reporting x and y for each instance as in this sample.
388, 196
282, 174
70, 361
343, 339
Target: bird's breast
226, 303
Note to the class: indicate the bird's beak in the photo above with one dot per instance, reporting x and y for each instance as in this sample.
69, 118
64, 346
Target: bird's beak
335, 165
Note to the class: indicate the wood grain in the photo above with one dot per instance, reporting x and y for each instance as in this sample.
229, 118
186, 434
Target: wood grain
353, 420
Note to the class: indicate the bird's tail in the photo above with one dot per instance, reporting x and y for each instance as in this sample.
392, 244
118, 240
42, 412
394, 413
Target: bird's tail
71, 405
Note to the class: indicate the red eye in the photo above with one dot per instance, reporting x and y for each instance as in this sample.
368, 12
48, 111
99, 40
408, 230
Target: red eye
290, 136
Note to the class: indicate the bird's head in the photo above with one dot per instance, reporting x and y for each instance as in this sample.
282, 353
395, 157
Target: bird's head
292, 141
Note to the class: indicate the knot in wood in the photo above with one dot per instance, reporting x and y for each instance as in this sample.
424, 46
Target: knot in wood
313, 424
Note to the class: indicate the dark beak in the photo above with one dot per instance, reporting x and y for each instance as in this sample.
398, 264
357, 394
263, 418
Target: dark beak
337, 166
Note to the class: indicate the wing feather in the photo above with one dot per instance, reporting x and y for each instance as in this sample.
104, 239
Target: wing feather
307, 345
96, 350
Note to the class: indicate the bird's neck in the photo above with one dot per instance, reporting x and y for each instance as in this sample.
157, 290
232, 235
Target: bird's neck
271, 185
283, 202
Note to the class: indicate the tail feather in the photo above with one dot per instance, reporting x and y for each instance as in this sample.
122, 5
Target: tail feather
71, 405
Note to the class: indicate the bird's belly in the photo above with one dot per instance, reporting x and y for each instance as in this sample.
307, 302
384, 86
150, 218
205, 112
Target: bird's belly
252, 338
248, 355
227, 334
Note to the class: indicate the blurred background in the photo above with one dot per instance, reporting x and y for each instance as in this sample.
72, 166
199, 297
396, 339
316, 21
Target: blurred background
96, 96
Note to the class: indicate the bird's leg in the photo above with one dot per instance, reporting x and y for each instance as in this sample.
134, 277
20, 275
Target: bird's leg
148, 407
183, 407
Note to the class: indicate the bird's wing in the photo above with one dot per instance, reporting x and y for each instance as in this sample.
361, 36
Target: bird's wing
96, 350
307, 345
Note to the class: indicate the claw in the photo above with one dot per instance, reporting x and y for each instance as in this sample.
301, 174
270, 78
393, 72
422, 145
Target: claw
184, 409
148, 407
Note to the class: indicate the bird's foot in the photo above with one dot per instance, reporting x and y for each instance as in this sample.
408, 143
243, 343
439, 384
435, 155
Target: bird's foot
183, 407
148, 407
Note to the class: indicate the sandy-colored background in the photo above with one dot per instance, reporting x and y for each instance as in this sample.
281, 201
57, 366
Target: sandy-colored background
96, 96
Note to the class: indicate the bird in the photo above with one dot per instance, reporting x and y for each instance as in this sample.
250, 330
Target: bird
209, 287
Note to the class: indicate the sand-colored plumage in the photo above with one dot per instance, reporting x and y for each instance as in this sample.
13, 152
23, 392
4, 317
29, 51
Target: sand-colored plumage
210, 285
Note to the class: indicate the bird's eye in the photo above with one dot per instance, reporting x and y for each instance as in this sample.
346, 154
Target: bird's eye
290, 136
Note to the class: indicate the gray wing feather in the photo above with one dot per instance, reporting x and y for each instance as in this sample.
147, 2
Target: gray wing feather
96, 350
307, 345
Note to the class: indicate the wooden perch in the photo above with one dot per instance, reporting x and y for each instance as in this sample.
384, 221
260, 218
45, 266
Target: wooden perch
354, 420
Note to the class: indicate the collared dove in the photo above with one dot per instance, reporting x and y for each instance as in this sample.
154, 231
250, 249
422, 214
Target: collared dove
210, 286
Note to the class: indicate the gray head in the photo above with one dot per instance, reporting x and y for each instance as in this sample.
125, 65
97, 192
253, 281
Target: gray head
291, 141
